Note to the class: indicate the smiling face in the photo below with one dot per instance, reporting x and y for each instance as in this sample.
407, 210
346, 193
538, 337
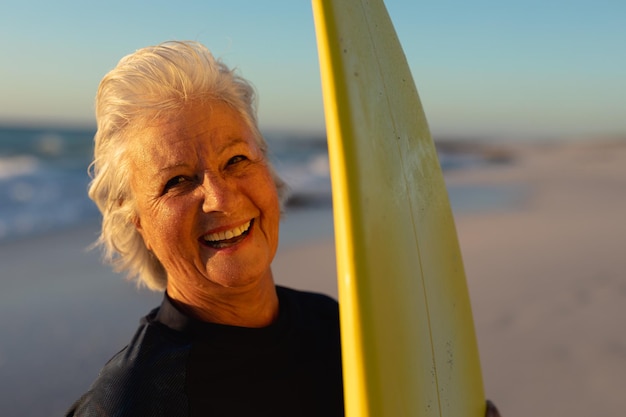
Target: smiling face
207, 205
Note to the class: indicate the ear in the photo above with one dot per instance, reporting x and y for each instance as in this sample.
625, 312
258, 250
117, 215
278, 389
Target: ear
137, 223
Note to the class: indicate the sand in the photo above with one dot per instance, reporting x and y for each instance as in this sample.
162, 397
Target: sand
547, 282
545, 276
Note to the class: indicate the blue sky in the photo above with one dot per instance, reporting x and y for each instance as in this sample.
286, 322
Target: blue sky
550, 68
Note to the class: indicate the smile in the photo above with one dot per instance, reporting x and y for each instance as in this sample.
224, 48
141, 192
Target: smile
227, 238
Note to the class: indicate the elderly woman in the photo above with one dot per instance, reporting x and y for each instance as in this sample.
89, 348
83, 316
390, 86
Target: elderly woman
191, 206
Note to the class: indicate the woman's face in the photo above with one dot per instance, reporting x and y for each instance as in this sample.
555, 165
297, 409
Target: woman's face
207, 206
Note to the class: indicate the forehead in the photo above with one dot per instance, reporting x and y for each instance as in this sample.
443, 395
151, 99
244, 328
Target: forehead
206, 129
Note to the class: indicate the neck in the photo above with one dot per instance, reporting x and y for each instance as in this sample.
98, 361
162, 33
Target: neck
254, 306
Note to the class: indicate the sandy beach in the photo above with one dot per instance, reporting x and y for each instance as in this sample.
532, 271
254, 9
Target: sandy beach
545, 276
547, 281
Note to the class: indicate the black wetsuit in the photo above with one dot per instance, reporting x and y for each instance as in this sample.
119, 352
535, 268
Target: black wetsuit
177, 366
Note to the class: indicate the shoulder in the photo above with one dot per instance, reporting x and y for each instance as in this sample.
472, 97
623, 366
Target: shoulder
146, 378
309, 302
316, 315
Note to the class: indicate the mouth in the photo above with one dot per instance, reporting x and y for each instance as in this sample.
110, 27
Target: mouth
227, 238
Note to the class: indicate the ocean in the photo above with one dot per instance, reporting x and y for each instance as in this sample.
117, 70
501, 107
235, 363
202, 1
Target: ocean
44, 178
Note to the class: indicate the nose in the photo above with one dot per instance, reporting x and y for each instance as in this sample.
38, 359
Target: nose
218, 194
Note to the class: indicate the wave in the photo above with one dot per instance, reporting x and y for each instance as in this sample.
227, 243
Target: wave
15, 166
43, 176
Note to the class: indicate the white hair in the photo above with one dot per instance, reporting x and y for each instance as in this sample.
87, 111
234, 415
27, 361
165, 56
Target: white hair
143, 85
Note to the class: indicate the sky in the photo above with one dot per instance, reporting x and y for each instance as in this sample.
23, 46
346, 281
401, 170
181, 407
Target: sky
494, 69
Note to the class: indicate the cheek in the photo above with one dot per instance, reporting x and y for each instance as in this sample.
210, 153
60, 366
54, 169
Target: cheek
162, 226
267, 200
265, 190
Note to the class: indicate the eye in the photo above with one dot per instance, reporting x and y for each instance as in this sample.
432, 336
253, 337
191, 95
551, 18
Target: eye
236, 159
174, 182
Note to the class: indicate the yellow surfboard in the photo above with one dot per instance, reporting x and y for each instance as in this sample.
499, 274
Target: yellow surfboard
409, 346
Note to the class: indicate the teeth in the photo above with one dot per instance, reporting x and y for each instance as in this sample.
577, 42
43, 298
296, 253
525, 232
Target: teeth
228, 234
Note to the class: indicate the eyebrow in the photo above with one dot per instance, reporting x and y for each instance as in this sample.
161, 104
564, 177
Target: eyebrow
230, 143
173, 166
